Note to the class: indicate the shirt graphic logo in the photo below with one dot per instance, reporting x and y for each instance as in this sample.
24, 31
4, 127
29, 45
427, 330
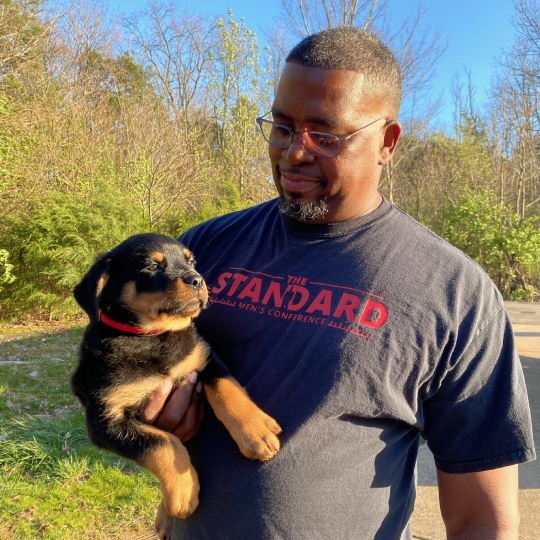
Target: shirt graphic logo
301, 300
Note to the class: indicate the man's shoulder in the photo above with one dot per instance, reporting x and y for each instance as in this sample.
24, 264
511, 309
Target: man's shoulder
230, 223
422, 239
437, 266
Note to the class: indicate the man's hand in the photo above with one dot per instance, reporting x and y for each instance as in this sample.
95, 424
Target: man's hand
480, 506
180, 412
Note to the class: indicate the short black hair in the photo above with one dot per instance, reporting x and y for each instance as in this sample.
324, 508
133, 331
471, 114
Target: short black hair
353, 49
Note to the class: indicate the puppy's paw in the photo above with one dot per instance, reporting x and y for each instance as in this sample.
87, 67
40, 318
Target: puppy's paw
181, 497
256, 436
164, 523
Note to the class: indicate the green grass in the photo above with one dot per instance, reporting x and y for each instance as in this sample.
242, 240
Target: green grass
34, 374
54, 483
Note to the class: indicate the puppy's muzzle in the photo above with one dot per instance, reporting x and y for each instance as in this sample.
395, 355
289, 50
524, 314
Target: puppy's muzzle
194, 280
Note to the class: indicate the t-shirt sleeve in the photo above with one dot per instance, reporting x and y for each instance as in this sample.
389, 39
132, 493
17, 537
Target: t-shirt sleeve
479, 418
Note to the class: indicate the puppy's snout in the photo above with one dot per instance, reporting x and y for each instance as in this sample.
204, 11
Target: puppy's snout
195, 280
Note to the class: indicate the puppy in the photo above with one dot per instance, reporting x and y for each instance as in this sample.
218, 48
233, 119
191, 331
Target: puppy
141, 298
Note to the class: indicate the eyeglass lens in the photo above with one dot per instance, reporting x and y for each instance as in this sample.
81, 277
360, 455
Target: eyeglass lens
318, 144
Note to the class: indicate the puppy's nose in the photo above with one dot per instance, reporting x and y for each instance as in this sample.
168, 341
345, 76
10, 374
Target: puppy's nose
195, 280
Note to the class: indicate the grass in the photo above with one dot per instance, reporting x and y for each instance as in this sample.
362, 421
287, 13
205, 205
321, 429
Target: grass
34, 374
54, 483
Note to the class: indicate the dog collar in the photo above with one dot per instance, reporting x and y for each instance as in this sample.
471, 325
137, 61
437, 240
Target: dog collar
126, 327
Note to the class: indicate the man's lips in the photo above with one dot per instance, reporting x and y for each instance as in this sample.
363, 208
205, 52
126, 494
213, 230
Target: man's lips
297, 183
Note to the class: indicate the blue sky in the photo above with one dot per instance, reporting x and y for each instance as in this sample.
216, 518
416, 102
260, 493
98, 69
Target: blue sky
477, 31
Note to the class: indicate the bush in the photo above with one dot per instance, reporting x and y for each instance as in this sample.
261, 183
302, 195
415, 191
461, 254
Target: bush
492, 234
54, 245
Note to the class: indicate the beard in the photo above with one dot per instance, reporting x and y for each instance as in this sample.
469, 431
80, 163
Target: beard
303, 211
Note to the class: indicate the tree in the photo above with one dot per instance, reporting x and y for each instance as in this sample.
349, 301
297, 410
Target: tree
240, 92
23, 30
176, 48
516, 119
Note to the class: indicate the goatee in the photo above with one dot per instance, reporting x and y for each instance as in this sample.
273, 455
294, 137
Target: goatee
303, 211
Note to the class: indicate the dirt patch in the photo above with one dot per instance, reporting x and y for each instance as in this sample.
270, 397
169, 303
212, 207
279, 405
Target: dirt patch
10, 332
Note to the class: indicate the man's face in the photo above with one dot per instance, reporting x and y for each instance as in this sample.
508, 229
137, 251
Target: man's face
330, 101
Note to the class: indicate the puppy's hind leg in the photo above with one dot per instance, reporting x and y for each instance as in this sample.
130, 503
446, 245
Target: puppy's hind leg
161, 453
169, 461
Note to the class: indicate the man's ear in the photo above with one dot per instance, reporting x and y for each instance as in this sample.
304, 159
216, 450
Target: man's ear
392, 131
88, 291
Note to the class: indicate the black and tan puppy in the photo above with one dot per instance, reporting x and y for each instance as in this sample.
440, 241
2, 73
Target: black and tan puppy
141, 298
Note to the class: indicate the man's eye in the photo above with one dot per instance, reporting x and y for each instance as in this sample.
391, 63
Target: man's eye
281, 131
323, 140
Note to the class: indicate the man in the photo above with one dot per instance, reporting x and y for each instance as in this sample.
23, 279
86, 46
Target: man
355, 327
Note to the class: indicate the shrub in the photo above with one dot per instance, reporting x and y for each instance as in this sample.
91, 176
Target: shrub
54, 245
492, 234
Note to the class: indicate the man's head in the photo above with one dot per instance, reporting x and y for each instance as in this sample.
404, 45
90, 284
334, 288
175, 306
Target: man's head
354, 49
336, 81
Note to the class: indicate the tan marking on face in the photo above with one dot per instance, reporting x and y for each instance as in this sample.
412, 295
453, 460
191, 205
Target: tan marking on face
157, 256
187, 253
183, 289
147, 305
170, 462
102, 281
165, 321
252, 429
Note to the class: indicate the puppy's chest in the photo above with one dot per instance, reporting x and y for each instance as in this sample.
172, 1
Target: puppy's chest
167, 356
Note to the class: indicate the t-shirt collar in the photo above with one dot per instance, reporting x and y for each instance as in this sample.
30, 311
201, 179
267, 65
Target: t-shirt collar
341, 228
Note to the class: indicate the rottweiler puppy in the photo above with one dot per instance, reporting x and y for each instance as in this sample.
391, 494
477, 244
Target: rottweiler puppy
141, 298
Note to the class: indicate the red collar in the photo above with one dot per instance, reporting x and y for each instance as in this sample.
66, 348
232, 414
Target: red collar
127, 327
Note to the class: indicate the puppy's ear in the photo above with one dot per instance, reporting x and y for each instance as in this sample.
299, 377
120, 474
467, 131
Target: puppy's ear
88, 291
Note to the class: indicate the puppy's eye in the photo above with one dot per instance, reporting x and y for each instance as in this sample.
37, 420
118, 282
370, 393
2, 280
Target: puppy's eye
152, 267
191, 261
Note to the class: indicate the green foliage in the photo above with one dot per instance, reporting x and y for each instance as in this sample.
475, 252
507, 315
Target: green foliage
241, 93
132, 80
492, 234
5, 269
57, 241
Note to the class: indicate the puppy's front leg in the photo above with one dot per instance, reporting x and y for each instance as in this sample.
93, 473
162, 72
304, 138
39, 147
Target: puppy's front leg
252, 429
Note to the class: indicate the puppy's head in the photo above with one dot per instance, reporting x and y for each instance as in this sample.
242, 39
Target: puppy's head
150, 276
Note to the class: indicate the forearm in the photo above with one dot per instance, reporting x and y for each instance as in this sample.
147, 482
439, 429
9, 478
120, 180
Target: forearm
483, 533
480, 506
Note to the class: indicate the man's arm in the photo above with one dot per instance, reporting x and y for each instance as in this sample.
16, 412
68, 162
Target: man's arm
480, 506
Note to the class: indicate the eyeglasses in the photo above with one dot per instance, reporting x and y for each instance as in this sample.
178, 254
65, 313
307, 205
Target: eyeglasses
325, 145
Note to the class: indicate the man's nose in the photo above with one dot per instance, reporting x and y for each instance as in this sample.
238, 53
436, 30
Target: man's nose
297, 152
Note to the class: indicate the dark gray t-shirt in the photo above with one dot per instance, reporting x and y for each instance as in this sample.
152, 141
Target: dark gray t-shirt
356, 337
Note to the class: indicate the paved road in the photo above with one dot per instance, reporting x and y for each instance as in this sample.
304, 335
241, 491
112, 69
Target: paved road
526, 322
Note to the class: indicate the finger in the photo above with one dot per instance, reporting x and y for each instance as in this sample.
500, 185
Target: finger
193, 419
178, 404
156, 402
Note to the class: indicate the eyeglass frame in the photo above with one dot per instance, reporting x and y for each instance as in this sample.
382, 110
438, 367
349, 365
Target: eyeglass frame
259, 120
